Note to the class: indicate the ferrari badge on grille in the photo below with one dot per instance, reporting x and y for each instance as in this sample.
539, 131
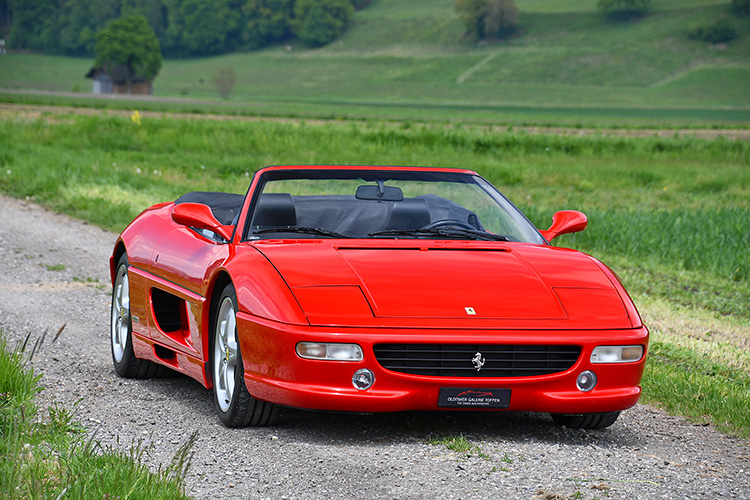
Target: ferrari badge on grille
478, 361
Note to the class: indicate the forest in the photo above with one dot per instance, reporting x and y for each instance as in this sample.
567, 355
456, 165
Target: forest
185, 28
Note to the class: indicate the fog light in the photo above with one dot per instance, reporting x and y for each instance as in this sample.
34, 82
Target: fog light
617, 354
329, 352
586, 381
363, 379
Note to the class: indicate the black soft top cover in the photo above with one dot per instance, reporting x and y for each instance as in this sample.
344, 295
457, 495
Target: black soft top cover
225, 206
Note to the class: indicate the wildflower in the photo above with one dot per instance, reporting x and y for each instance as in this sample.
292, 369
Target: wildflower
136, 117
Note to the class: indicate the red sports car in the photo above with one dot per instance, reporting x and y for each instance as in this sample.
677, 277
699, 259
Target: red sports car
373, 289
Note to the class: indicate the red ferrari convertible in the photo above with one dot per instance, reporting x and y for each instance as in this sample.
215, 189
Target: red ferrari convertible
373, 289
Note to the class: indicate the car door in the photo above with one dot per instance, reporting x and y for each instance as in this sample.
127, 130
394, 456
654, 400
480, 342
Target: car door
180, 268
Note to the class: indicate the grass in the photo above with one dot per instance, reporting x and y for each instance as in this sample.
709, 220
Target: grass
52, 458
410, 61
698, 387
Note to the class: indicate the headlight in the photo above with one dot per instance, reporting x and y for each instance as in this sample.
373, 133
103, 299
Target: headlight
617, 354
330, 352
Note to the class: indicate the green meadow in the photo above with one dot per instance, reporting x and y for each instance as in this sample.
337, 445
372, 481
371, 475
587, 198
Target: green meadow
411, 61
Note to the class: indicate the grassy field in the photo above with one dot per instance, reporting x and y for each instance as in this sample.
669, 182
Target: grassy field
410, 61
670, 215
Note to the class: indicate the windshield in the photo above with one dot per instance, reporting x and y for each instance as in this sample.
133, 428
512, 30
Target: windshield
370, 203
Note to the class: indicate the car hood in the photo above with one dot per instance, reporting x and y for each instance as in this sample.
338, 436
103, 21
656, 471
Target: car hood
447, 284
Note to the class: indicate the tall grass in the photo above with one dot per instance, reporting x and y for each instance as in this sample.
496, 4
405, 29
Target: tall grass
54, 458
702, 389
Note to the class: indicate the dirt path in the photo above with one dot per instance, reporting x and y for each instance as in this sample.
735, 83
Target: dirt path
55, 273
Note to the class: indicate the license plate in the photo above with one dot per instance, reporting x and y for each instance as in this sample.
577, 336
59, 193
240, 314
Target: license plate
454, 397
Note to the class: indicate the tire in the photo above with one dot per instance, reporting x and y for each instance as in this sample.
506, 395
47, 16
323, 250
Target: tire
121, 330
235, 406
586, 420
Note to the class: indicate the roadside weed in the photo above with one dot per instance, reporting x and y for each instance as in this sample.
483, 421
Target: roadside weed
54, 458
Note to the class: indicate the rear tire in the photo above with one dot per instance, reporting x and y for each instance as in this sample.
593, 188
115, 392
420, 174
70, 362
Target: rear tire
586, 420
121, 330
235, 406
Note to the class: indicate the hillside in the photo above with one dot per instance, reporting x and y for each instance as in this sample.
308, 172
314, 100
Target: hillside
410, 59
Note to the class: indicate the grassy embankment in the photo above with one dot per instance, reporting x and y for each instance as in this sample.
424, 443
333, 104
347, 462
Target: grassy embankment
670, 215
408, 61
51, 457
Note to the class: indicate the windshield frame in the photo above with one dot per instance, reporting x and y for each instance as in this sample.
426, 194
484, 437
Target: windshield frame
374, 174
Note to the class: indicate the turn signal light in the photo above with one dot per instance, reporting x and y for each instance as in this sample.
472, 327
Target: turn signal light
330, 352
617, 354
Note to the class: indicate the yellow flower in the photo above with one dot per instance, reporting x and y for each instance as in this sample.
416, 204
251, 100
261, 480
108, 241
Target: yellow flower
136, 117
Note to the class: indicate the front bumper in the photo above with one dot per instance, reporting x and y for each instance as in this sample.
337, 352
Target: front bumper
275, 373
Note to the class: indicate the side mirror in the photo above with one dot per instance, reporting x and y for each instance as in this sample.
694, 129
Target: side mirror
200, 216
565, 222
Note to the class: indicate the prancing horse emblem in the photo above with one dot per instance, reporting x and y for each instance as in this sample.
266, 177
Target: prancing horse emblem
478, 361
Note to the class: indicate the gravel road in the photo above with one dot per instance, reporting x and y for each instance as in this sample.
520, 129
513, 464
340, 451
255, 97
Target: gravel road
55, 273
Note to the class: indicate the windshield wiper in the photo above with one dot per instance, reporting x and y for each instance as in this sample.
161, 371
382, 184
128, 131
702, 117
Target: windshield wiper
301, 229
442, 232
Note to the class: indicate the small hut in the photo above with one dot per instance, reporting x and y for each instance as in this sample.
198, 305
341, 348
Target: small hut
116, 82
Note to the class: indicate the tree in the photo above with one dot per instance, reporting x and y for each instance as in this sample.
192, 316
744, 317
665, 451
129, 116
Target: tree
741, 7
268, 21
625, 7
35, 25
471, 13
319, 22
153, 10
129, 44
198, 27
225, 81
501, 18
6, 20
488, 18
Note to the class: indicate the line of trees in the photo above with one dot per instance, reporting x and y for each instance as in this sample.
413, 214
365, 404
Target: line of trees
184, 28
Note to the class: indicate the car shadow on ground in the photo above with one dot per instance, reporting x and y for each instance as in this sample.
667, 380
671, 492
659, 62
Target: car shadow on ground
318, 427
505, 426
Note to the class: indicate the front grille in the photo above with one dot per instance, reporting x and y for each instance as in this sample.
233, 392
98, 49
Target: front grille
449, 360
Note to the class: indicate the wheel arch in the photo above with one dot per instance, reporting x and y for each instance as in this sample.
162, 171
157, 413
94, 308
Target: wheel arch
213, 294
116, 254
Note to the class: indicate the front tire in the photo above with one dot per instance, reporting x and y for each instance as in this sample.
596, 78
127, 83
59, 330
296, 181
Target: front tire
121, 330
586, 420
235, 406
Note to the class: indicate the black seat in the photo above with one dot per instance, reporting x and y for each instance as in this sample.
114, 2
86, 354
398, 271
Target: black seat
275, 210
411, 213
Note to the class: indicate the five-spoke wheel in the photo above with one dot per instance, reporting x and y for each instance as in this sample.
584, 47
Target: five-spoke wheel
235, 406
121, 329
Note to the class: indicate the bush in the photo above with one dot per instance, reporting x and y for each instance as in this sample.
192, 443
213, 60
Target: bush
361, 4
741, 7
319, 22
501, 18
488, 18
268, 21
722, 30
628, 7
